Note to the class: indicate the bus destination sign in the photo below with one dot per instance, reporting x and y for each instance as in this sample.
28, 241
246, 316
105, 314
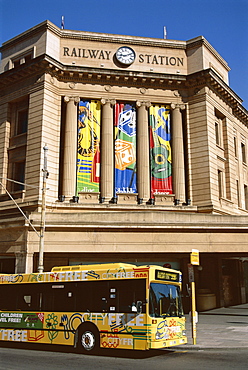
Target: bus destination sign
167, 276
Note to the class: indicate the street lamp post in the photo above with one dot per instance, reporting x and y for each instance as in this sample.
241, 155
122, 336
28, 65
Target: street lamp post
43, 212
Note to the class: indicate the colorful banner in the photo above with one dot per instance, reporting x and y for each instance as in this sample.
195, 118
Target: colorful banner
125, 148
160, 150
88, 156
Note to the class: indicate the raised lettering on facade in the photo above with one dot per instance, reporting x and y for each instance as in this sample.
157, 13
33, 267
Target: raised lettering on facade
154, 59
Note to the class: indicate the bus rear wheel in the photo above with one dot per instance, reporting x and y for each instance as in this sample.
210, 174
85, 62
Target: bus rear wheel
88, 339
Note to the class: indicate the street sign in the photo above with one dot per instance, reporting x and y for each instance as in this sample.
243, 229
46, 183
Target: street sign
194, 257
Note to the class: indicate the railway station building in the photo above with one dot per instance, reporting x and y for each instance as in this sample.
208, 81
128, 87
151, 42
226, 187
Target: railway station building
143, 147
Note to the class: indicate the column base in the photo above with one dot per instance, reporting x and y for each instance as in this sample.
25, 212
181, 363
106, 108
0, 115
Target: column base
23, 262
106, 200
89, 197
164, 199
68, 199
127, 198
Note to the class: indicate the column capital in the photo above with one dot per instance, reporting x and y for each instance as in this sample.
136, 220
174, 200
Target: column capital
75, 99
140, 103
108, 101
177, 106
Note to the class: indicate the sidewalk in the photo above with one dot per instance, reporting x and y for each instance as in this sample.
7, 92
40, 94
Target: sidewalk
220, 328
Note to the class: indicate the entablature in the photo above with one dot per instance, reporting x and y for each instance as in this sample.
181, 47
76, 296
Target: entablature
102, 76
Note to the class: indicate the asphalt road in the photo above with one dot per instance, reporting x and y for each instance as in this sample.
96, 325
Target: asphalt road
24, 359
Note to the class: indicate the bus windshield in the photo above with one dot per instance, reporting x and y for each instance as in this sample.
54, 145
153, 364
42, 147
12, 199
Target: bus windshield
165, 300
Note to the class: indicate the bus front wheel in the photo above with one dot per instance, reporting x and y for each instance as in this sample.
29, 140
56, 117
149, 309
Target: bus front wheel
88, 339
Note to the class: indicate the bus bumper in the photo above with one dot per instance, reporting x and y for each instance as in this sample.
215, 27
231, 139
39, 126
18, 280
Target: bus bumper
158, 344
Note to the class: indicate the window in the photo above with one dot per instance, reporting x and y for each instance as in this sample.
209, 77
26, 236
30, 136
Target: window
235, 146
220, 120
164, 300
85, 296
243, 152
18, 115
220, 183
217, 133
22, 122
246, 196
238, 197
18, 175
22, 59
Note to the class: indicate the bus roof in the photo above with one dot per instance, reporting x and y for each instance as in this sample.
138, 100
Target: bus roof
94, 272
96, 266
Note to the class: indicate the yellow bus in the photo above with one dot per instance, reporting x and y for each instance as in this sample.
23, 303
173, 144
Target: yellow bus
97, 306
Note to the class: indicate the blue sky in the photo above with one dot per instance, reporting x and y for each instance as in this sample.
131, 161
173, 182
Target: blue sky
224, 23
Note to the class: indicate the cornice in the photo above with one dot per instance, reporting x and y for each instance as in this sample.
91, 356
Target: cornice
93, 36
112, 77
41, 27
122, 39
45, 63
201, 41
209, 78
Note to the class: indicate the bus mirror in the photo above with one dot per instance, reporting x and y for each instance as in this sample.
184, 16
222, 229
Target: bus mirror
134, 307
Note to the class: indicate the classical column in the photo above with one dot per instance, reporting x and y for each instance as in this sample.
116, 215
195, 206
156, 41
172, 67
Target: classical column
107, 151
4, 144
178, 172
23, 262
143, 149
70, 148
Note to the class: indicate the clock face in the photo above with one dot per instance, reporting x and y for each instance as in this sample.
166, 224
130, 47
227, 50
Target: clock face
125, 55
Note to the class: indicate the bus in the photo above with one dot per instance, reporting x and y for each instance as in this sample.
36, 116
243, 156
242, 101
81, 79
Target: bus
114, 305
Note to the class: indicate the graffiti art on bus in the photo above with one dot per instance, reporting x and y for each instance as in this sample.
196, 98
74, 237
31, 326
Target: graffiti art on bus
14, 335
112, 340
119, 326
51, 324
174, 328
35, 335
71, 323
35, 277
168, 330
17, 278
162, 330
93, 274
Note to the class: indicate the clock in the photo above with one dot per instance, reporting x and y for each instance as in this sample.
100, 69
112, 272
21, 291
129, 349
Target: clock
125, 55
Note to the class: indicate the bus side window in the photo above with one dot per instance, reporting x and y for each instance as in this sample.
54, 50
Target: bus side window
27, 299
131, 295
8, 297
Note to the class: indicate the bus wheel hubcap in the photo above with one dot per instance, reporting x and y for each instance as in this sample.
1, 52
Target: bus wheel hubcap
88, 340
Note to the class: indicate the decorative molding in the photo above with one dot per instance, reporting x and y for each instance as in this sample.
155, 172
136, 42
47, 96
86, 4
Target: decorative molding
178, 106
108, 101
140, 103
127, 198
88, 197
165, 199
75, 99
107, 88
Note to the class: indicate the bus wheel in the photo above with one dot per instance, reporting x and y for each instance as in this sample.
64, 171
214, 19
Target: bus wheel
88, 339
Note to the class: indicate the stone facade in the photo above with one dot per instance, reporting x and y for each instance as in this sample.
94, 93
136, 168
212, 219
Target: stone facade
45, 72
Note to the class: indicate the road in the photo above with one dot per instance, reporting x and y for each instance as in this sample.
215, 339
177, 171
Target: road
24, 359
